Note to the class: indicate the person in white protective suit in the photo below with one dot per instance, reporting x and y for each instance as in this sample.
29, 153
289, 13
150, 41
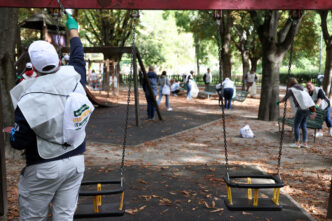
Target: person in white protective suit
302, 106
51, 113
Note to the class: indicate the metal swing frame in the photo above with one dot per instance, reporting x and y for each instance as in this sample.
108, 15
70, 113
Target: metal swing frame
250, 202
98, 209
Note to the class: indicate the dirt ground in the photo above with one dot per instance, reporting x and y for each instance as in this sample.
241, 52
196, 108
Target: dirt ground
306, 172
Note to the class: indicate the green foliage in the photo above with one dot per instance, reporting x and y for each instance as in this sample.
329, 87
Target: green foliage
150, 49
203, 28
106, 27
306, 42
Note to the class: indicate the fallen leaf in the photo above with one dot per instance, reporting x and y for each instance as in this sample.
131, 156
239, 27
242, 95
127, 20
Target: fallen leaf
213, 204
185, 192
141, 181
217, 210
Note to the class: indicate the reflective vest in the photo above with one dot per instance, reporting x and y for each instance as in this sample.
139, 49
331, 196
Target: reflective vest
42, 101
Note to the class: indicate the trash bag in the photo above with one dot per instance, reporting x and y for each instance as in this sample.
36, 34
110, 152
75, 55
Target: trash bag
246, 132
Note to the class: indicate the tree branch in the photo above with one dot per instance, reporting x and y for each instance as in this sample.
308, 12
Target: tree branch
284, 46
89, 40
327, 37
92, 28
273, 25
237, 45
283, 32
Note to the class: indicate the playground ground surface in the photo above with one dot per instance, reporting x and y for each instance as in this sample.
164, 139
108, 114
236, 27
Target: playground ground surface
190, 140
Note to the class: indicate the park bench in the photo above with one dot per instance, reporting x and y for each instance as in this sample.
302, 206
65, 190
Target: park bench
240, 96
210, 90
311, 123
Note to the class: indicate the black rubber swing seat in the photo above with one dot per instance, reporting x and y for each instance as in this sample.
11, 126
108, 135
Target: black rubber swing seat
103, 209
249, 203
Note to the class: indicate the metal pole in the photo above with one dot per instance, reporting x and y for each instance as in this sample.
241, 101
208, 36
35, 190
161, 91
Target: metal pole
136, 91
146, 79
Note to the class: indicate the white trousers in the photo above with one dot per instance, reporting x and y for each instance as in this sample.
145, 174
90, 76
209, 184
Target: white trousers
55, 182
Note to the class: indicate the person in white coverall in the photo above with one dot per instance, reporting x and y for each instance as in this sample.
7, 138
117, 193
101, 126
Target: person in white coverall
54, 167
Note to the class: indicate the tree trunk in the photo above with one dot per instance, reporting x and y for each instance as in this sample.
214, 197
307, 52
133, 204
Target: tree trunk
8, 23
274, 46
245, 65
196, 43
254, 62
227, 24
268, 110
327, 84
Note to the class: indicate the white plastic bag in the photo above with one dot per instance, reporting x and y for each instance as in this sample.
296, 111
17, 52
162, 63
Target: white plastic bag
246, 132
78, 110
166, 90
194, 89
253, 89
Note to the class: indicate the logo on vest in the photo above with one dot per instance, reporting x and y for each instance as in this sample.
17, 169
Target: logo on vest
80, 116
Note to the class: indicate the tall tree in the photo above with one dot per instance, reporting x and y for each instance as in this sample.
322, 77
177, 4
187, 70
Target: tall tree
8, 28
225, 33
106, 28
246, 40
276, 41
191, 21
327, 84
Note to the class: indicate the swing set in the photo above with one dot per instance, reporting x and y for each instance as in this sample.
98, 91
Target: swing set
250, 202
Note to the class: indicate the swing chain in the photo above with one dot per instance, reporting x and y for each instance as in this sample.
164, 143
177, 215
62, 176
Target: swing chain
133, 52
285, 109
218, 21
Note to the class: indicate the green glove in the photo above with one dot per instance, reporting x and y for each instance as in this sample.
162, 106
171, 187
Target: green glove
71, 23
317, 106
278, 102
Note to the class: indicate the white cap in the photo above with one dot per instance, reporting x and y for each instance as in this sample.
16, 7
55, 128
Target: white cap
28, 65
43, 54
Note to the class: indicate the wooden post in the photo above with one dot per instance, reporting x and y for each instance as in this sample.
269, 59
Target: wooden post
3, 182
148, 83
136, 91
107, 76
117, 75
113, 72
329, 207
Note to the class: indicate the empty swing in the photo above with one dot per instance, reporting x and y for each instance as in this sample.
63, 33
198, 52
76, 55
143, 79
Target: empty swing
253, 183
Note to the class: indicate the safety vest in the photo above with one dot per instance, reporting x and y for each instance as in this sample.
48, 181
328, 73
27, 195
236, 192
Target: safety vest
251, 77
323, 105
42, 102
303, 99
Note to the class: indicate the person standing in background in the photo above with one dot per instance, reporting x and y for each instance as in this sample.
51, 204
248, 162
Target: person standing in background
153, 78
207, 78
164, 90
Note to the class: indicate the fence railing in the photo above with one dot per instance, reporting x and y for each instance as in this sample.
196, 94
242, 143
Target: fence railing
301, 77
